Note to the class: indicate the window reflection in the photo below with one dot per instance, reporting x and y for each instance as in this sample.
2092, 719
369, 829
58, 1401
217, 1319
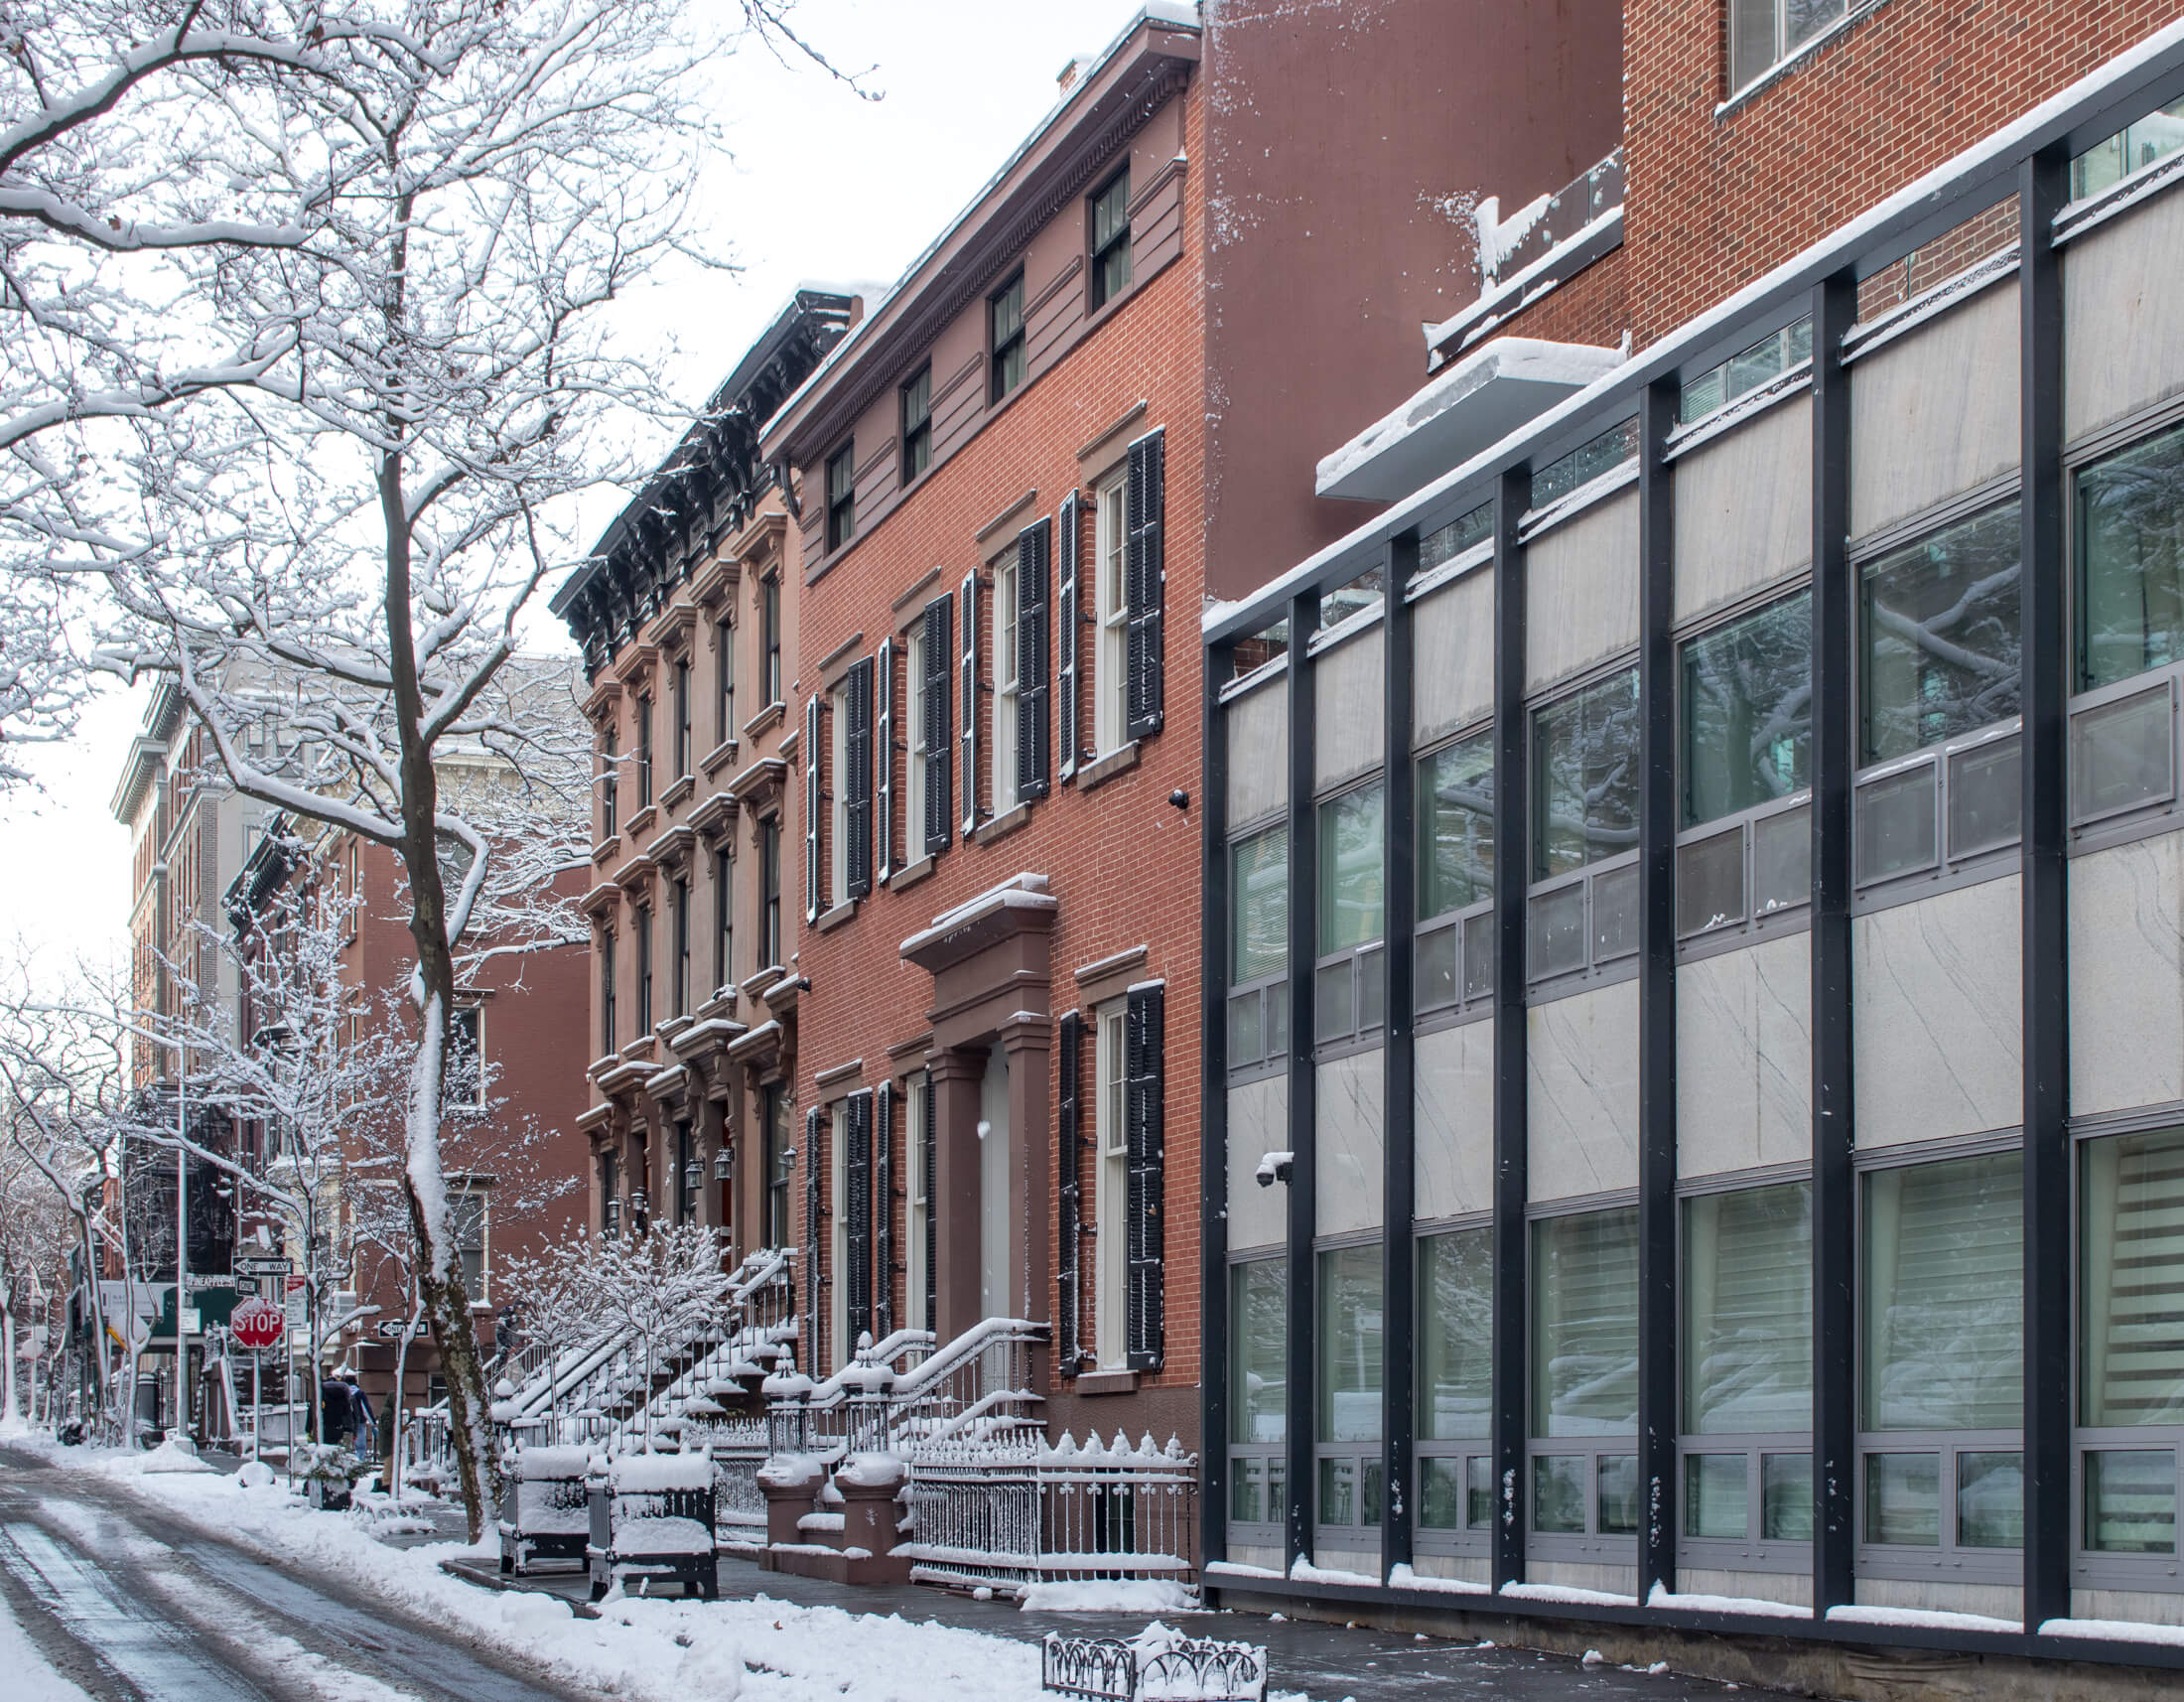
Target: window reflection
1585, 752
1939, 635
2130, 555
1747, 711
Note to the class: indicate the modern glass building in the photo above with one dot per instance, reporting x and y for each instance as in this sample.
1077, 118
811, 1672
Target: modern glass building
1695, 1123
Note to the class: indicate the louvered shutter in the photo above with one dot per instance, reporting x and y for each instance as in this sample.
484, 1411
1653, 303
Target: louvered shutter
882, 1210
1144, 1138
884, 755
1070, 548
931, 1274
1069, 1221
811, 808
857, 1203
815, 1309
1145, 500
1034, 550
940, 730
968, 781
857, 759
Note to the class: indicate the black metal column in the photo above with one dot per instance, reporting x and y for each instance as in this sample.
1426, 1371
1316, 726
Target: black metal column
1512, 494
1213, 959
2043, 186
1304, 949
1835, 761
1399, 1310
1657, 823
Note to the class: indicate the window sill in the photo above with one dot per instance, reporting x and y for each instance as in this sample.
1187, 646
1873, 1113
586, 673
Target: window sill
1000, 826
911, 874
633, 829
831, 920
1114, 1382
682, 789
604, 851
718, 758
1119, 761
768, 718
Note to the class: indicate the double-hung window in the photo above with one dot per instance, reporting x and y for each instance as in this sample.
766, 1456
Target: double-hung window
607, 1041
467, 1228
769, 892
1745, 703
1005, 325
1764, 32
723, 673
466, 1067
1258, 949
682, 717
914, 779
610, 786
2128, 620
724, 919
1111, 1179
780, 1164
1111, 240
769, 637
837, 808
1454, 961
918, 424
1938, 685
842, 495
679, 971
1111, 658
645, 753
1349, 994
642, 925
1008, 683
1585, 829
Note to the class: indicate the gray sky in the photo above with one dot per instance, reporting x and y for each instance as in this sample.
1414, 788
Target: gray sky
823, 186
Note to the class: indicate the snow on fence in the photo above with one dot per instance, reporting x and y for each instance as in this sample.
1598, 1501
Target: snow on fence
1157, 1665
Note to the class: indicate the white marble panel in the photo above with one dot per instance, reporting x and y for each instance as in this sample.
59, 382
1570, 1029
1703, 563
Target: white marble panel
1583, 1575
1581, 592
1943, 1596
1453, 680
2146, 1607
2127, 976
1455, 1127
2123, 337
1795, 1588
1744, 1057
1744, 508
1469, 1568
1350, 1143
1258, 1124
1936, 1016
1349, 707
1258, 726
1581, 1079
1935, 412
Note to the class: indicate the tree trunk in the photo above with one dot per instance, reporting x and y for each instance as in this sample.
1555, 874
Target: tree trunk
7, 1349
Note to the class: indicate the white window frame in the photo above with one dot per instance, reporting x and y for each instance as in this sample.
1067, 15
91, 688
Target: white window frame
913, 769
838, 806
1111, 1191
1111, 639
913, 1262
1780, 48
1007, 599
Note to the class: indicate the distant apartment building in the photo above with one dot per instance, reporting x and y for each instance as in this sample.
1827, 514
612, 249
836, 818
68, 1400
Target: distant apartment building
687, 616
1696, 1051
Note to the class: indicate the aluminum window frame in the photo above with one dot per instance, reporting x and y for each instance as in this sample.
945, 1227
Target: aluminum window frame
1754, 1551
1469, 1537
1268, 994
1469, 928
1272, 1456
1329, 968
1598, 968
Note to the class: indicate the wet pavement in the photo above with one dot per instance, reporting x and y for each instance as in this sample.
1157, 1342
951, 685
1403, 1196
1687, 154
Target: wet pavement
133, 1607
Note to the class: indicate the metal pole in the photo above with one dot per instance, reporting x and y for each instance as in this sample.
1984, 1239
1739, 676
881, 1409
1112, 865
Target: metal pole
181, 1236
257, 1400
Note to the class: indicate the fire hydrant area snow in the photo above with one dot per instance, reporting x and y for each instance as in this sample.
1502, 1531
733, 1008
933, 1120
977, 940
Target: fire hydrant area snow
160, 1574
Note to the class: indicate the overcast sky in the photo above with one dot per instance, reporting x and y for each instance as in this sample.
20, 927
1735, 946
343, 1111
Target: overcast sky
823, 186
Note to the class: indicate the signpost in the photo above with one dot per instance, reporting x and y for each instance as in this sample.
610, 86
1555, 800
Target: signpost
257, 1325
394, 1329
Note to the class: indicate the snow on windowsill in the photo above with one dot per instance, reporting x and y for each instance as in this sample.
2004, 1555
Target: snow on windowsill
1734, 412
1568, 1595
2121, 196
2115, 1631
1950, 292
1303, 1571
1929, 1619
1236, 1568
1663, 1597
1405, 1578
1538, 520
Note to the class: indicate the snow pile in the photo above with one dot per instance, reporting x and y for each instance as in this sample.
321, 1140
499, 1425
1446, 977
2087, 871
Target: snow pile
254, 1475
1661, 1596
872, 1471
645, 1473
791, 1472
649, 1535
1109, 1596
168, 1456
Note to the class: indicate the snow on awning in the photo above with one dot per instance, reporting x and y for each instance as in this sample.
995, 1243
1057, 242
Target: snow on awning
1478, 401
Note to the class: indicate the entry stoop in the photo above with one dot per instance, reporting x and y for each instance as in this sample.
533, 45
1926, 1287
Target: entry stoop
840, 1525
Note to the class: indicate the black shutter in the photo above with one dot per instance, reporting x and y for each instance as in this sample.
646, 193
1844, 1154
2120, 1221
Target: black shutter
1069, 524
884, 754
857, 759
1142, 1140
815, 1307
1034, 552
882, 1212
939, 733
1069, 1222
968, 779
857, 1205
931, 1273
1145, 500
811, 807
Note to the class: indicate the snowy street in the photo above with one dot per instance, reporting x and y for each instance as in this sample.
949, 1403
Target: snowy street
185, 1586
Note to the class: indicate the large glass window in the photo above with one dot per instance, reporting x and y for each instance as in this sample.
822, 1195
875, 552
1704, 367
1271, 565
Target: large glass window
1944, 1346
1748, 1312
1747, 711
1586, 778
1585, 1324
1456, 1301
1352, 894
2133, 1287
1764, 32
2131, 562
2132, 148
1259, 1371
1258, 900
1349, 1344
1939, 636
1456, 827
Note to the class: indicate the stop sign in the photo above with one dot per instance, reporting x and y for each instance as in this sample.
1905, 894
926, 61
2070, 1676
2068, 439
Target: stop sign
257, 1324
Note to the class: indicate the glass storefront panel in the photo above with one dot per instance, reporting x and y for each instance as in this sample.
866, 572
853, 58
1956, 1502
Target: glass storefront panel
1259, 1345
1786, 1497
2130, 1500
1352, 869
1259, 899
1455, 1283
1584, 752
2132, 1289
2130, 561
1903, 1499
1349, 1344
1456, 827
1747, 711
1716, 1496
1559, 1493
